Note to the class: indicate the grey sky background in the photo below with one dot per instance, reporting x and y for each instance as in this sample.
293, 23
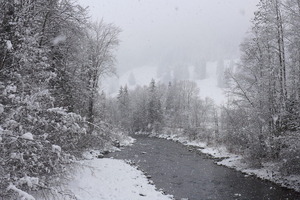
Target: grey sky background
161, 32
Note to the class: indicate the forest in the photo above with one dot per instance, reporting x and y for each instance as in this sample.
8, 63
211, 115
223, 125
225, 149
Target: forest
260, 119
52, 108
51, 59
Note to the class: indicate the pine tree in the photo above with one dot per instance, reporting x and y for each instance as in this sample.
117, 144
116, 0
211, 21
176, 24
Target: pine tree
155, 118
124, 108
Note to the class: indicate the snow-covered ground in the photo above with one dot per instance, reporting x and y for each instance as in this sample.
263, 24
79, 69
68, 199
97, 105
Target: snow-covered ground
268, 171
209, 86
110, 179
105, 179
143, 75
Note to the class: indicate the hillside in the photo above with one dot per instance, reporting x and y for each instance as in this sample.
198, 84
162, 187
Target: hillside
143, 75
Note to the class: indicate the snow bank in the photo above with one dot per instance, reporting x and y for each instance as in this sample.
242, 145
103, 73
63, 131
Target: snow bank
108, 179
268, 171
123, 140
128, 141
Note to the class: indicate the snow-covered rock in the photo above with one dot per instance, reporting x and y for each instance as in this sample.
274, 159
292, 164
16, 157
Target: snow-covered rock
9, 45
56, 148
27, 136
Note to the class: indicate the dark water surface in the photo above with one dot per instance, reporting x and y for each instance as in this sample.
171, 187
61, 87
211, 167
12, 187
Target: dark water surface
190, 174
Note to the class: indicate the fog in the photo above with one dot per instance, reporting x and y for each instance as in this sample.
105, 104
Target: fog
156, 32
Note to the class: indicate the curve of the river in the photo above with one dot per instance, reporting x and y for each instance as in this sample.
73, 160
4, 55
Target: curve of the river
189, 174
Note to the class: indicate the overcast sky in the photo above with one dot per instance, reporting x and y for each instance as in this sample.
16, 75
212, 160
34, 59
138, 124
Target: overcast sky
155, 32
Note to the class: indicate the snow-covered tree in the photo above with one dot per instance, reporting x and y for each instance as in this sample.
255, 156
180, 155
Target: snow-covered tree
154, 108
44, 57
102, 40
124, 108
139, 99
263, 110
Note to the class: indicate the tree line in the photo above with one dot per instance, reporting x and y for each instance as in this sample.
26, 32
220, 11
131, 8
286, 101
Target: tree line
261, 119
160, 108
52, 58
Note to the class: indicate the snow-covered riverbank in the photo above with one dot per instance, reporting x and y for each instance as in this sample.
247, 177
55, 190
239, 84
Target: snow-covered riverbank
268, 171
111, 179
108, 179
105, 179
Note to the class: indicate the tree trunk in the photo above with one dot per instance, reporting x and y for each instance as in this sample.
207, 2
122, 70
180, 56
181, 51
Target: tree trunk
281, 56
91, 119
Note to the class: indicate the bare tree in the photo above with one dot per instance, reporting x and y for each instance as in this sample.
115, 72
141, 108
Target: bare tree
102, 41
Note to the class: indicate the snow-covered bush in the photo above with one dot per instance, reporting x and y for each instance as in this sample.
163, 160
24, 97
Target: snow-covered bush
290, 154
48, 82
191, 133
36, 142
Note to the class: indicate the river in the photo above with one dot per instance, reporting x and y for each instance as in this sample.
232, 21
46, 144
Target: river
186, 173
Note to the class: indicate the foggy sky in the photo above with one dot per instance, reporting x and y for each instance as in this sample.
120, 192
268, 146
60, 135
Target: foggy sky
158, 32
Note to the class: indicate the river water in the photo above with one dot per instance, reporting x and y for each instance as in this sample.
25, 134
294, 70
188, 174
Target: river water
186, 173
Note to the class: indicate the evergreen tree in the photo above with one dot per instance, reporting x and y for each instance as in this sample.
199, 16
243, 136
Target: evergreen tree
124, 108
155, 117
139, 117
